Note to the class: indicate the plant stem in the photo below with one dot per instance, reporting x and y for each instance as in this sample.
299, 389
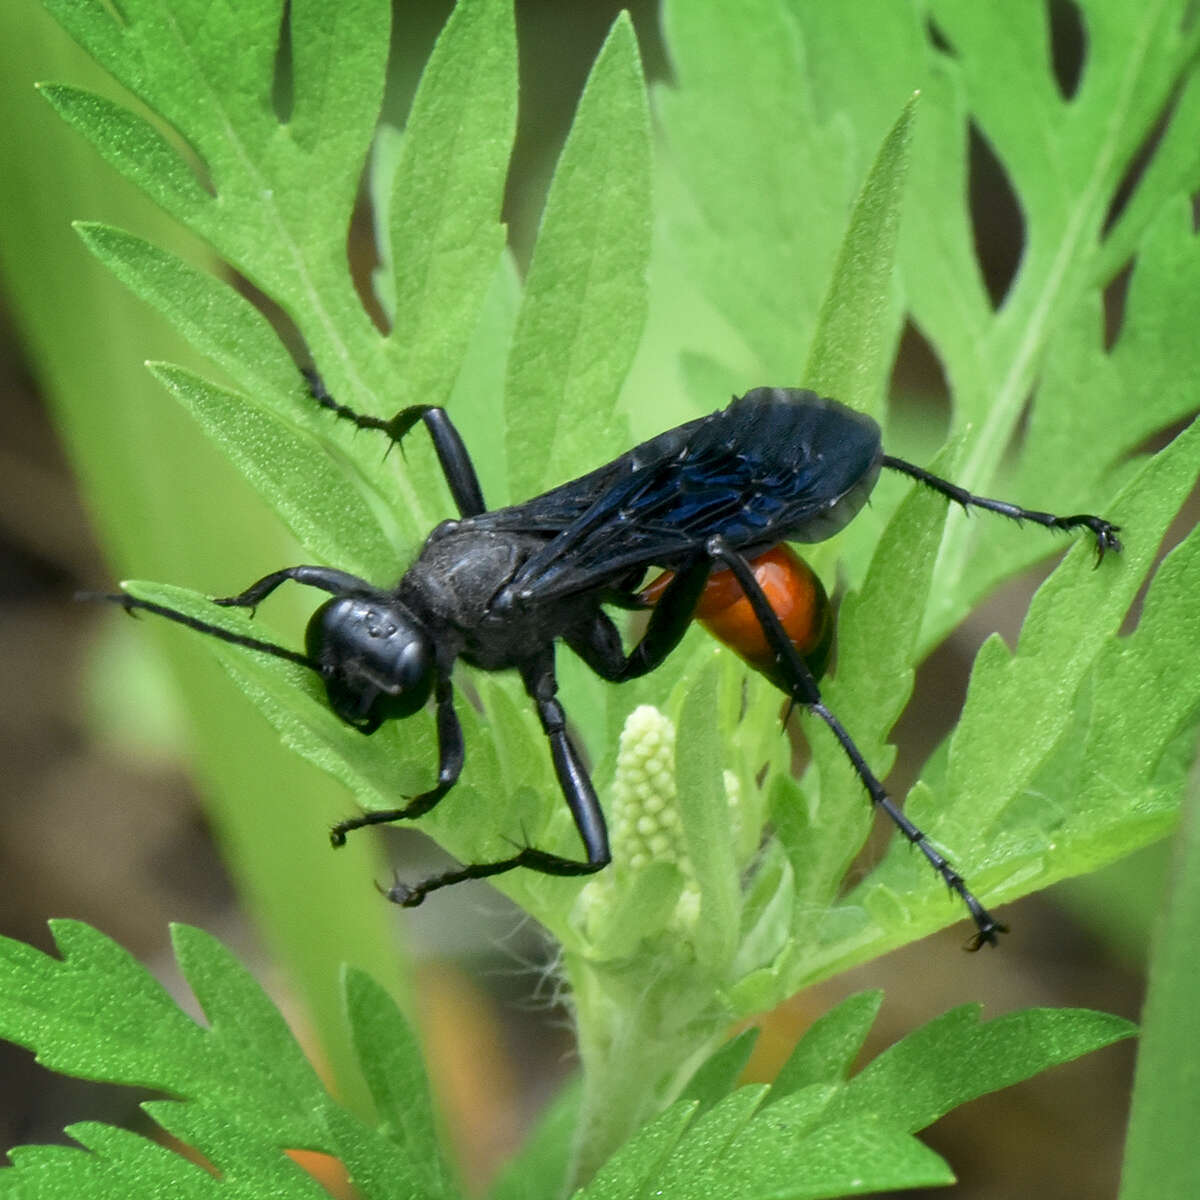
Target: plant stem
640, 1038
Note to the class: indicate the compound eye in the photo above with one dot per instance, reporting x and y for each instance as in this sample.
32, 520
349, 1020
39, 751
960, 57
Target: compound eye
412, 672
415, 664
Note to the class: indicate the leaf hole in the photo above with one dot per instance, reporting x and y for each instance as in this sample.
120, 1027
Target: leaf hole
1116, 293
1016, 444
1068, 44
1138, 162
934, 707
282, 86
918, 388
996, 218
362, 256
938, 39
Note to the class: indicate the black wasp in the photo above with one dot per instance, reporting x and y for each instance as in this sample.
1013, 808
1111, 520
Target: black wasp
703, 502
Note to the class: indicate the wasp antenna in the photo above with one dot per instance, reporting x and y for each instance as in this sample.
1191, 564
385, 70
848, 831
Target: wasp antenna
132, 605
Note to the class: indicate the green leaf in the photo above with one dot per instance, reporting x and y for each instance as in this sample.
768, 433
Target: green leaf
708, 1140
317, 497
716, 1076
816, 1135
955, 1058
210, 76
116, 1163
636, 1164
134, 147
243, 1090
446, 193
585, 293
477, 402
1142, 698
1133, 392
790, 1150
846, 1160
1019, 705
389, 1055
98, 1014
858, 324
1019, 805
221, 324
828, 1048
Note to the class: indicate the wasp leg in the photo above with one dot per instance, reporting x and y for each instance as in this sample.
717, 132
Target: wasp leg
1104, 531
452, 453
599, 644
338, 583
451, 754
804, 691
577, 791
132, 605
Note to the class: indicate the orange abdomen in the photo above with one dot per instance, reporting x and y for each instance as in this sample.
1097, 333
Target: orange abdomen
794, 592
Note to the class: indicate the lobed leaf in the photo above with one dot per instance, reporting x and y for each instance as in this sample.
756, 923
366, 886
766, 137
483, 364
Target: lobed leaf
244, 1090
814, 1134
98, 1014
273, 198
955, 1058
1092, 406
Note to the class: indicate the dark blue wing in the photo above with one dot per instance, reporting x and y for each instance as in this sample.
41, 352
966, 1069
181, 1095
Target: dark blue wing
778, 464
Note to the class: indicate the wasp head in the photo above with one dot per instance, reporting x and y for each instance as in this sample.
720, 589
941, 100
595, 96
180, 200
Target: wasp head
375, 657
